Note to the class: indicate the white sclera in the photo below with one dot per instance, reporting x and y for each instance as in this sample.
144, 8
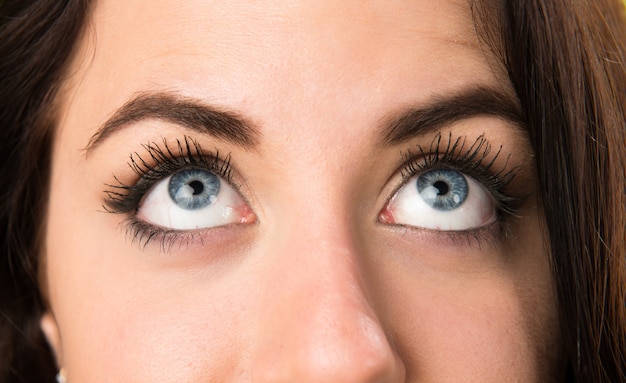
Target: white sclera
159, 209
409, 208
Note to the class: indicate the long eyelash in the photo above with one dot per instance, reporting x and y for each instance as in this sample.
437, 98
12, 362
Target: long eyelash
143, 233
125, 198
476, 160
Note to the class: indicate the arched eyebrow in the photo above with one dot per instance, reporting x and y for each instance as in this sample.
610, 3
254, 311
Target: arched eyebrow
445, 110
234, 128
189, 113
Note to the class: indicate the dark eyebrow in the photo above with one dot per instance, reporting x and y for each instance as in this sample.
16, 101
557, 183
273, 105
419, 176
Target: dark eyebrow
443, 111
187, 112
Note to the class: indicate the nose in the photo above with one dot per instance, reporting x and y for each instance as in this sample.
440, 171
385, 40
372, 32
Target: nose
318, 324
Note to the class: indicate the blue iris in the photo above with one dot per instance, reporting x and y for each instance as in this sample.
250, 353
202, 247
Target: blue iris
443, 189
193, 189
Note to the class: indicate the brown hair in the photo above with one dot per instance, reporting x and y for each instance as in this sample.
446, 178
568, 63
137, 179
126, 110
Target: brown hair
567, 64
36, 41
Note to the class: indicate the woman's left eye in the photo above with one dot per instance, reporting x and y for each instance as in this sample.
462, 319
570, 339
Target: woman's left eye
441, 199
191, 199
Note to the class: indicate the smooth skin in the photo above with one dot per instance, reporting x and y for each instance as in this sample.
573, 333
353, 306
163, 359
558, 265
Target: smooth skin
318, 283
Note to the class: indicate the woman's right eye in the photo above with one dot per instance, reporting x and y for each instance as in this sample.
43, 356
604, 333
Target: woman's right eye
193, 198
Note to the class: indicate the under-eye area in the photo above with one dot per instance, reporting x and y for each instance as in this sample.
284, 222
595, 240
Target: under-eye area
454, 188
178, 191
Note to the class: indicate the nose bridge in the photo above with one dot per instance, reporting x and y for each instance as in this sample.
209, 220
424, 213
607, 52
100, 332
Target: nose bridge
319, 250
318, 324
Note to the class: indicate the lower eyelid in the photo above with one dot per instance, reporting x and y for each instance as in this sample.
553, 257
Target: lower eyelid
488, 235
145, 236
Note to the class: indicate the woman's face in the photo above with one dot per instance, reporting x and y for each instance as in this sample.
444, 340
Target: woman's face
311, 191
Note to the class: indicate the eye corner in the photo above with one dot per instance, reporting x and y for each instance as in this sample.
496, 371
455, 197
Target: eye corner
385, 216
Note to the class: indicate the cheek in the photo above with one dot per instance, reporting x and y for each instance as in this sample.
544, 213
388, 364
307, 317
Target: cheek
170, 340
478, 337
467, 315
128, 323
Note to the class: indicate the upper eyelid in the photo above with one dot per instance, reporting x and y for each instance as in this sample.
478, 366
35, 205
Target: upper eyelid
187, 153
408, 168
149, 174
238, 185
477, 152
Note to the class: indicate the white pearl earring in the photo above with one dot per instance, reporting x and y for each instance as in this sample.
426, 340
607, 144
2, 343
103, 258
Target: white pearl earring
61, 376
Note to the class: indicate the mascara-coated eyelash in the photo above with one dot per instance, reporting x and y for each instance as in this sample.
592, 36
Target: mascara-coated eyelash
159, 164
163, 161
476, 161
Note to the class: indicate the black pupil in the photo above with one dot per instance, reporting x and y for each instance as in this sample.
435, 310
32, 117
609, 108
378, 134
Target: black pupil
442, 187
197, 186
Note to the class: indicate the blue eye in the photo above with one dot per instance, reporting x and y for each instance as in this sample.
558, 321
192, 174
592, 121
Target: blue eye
441, 199
443, 189
193, 199
194, 188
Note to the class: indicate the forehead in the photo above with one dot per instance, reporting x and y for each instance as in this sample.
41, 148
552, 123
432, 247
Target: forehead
230, 32
253, 56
